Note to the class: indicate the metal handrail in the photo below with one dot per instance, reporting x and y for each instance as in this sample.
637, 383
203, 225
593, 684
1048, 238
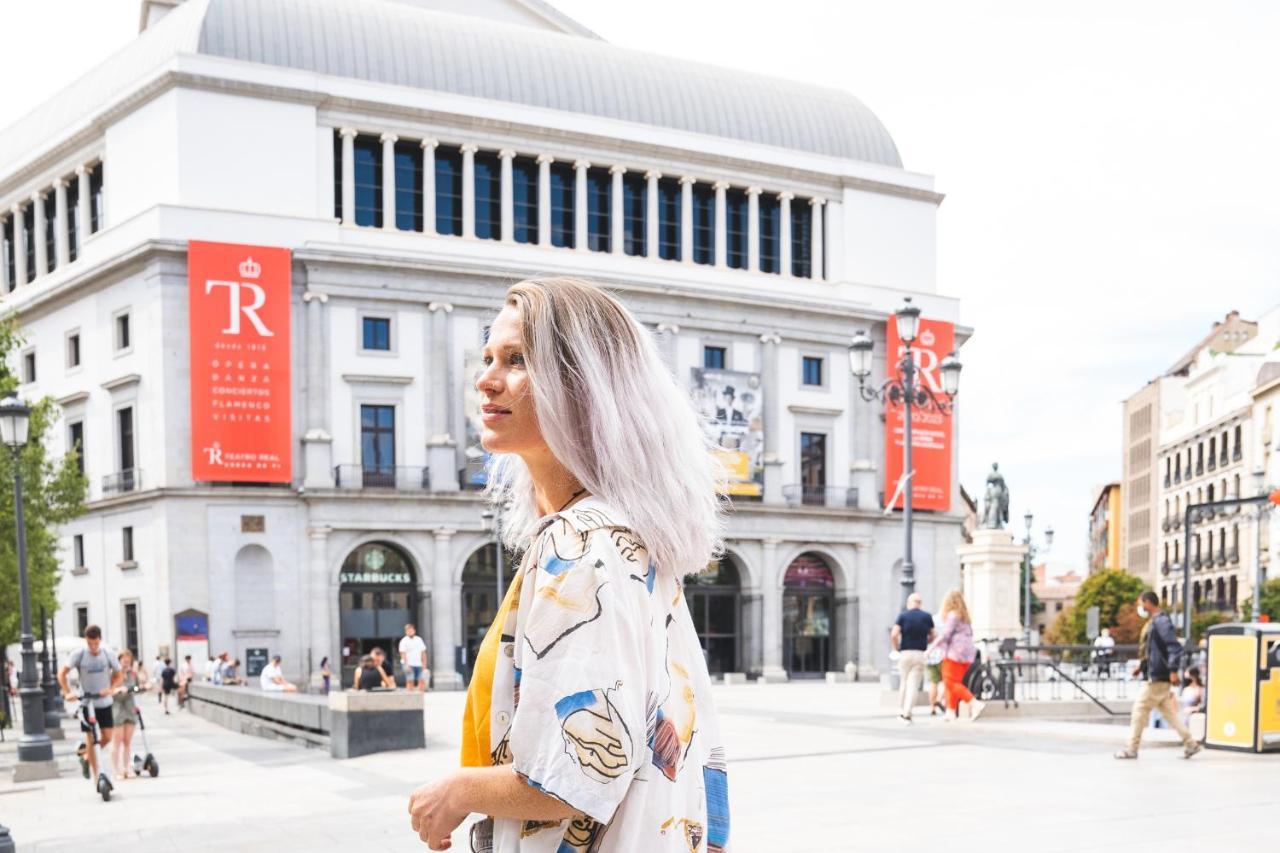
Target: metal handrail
411, 478
128, 480
798, 494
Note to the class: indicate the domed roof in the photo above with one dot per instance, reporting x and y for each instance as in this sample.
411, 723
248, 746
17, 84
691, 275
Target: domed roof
410, 46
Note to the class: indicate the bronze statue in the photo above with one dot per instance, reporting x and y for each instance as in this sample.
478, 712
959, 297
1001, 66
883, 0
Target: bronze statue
995, 509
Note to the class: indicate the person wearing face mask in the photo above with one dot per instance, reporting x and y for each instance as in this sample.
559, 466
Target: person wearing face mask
589, 722
1159, 655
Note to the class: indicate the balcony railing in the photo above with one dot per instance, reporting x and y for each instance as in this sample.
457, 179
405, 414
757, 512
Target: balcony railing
1224, 458
1238, 454
1233, 556
1212, 463
403, 478
1167, 481
829, 496
1166, 524
1177, 522
1177, 478
128, 480
1164, 568
1199, 468
1195, 562
1222, 558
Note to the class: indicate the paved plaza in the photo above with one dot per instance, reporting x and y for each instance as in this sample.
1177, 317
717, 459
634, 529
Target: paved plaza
813, 767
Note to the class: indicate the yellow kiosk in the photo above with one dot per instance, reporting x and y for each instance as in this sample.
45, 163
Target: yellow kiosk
1243, 704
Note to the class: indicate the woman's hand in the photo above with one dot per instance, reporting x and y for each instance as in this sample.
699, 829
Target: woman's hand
433, 814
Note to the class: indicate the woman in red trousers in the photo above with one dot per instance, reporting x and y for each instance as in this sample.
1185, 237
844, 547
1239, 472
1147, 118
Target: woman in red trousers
955, 641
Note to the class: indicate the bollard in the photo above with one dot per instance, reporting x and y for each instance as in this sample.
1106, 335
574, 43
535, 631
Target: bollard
6, 843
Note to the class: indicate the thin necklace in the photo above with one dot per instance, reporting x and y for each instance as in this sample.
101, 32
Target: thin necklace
572, 498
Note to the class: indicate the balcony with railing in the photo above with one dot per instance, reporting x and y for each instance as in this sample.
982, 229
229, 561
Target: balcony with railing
1212, 463
400, 478
1233, 556
1199, 468
1222, 557
844, 497
128, 480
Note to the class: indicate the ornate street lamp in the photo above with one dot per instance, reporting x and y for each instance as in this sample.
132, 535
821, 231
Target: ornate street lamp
35, 750
1032, 550
905, 389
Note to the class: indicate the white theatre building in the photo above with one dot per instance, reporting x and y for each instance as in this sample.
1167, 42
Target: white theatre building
417, 158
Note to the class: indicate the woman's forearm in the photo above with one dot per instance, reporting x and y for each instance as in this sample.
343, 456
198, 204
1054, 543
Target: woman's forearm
500, 792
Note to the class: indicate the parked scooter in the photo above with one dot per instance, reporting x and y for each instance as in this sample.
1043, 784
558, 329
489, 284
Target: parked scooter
140, 763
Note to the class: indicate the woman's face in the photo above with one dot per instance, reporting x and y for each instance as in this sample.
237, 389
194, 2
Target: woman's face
509, 423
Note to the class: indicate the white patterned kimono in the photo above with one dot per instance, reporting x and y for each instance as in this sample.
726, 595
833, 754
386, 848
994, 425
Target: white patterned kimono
601, 698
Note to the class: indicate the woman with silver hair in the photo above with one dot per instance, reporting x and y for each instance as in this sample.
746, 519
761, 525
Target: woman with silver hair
589, 723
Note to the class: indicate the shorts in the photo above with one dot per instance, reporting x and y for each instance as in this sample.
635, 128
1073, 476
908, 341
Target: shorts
415, 673
935, 673
103, 715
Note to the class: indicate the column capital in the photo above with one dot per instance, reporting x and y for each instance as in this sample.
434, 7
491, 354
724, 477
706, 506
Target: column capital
444, 533
668, 329
315, 296
545, 158
37, 196
347, 132
720, 185
817, 202
507, 153
786, 196
617, 170
439, 306
653, 175
582, 164
16, 210
429, 143
321, 532
469, 148
60, 183
388, 137
771, 338
685, 180
754, 191
83, 170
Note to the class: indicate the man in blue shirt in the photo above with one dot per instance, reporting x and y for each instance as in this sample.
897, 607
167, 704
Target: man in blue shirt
910, 638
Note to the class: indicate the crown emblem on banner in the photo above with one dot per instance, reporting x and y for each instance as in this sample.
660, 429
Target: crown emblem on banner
249, 268
926, 337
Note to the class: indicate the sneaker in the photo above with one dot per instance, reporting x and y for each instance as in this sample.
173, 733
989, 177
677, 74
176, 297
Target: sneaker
906, 720
949, 716
1191, 749
976, 708
1125, 754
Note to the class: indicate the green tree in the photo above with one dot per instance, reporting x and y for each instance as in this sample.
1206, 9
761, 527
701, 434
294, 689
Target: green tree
1270, 601
1109, 590
53, 492
1202, 620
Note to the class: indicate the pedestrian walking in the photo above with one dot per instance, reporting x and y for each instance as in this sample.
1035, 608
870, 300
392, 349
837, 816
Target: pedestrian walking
157, 671
589, 722
168, 682
1159, 654
955, 641
413, 658
326, 674
186, 675
125, 715
910, 638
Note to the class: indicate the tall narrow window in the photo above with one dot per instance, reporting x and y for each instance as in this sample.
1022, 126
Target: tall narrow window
735, 208
669, 219
8, 249
29, 240
122, 331
73, 211
408, 185
599, 209
124, 433
368, 180
524, 198
82, 619
97, 209
77, 553
449, 190
488, 195
562, 205
131, 639
1238, 450
713, 358
29, 366
811, 370
75, 442
378, 445
49, 239
126, 544
337, 175
813, 467
770, 228
635, 195
704, 224
801, 238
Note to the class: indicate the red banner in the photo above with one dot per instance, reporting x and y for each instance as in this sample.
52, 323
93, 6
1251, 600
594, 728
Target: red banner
930, 430
239, 325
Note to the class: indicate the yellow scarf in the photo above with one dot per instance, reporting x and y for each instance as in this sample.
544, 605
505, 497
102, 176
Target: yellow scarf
476, 750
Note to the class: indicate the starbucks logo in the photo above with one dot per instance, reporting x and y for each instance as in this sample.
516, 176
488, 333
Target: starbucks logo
375, 559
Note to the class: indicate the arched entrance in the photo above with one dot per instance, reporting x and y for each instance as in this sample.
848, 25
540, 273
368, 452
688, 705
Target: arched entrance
808, 616
480, 597
715, 602
377, 596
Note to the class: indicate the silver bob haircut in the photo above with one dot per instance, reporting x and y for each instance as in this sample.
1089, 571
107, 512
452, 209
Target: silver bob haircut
617, 419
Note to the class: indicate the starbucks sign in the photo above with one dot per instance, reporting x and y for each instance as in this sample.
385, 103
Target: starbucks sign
376, 563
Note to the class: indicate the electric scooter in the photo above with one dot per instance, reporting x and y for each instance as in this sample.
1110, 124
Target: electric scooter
148, 763
103, 783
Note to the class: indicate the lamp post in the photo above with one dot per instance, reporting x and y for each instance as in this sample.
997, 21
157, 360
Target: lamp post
907, 390
493, 523
1027, 572
1259, 489
35, 750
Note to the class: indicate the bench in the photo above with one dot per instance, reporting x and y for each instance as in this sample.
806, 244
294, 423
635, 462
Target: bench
347, 723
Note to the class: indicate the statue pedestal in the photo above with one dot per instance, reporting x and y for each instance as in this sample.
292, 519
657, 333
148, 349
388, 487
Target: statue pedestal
991, 568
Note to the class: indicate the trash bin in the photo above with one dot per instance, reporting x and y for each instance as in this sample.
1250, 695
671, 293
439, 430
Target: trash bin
1243, 704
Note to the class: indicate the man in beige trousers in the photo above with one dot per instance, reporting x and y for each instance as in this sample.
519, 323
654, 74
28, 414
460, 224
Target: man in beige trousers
910, 638
1159, 656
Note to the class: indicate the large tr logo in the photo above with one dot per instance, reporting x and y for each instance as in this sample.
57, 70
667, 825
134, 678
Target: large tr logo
248, 269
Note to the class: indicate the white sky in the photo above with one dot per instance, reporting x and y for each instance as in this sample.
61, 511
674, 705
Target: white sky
1111, 174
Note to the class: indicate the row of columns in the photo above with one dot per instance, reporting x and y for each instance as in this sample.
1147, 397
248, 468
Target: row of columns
616, 221
61, 232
